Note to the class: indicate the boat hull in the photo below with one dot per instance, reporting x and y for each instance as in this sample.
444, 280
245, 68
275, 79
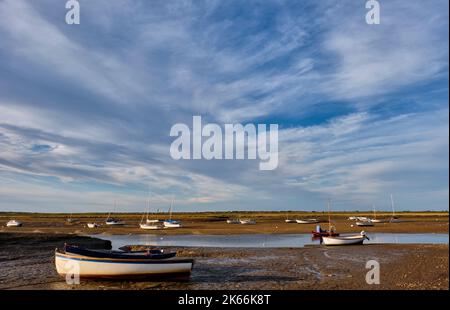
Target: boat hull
365, 224
150, 227
88, 267
345, 240
307, 221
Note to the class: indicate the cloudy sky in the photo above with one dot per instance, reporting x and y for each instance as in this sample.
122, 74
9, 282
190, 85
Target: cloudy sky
86, 110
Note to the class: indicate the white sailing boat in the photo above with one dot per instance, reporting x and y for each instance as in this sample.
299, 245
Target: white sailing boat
112, 221
171, 223
375, 219
394, 219
13, 223
149, 224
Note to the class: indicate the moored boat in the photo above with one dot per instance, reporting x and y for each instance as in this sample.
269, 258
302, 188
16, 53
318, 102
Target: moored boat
307, 221
290, 221
92, 225
13, 223
171, 223
233, 221
247, 222
365, 223
113, 222
345, 240
111, 264
149, 226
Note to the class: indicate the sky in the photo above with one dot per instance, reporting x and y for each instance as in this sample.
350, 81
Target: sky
86, 110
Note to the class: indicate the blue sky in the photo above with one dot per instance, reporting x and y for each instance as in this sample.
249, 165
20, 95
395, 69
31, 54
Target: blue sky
86, 110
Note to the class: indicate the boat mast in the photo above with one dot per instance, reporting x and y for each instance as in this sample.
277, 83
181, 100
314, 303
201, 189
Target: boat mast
393, 208
170, 209
329, 216
374, 213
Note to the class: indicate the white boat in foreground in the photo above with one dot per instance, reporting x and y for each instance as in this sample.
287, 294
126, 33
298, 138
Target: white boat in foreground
13, 223
121, 268
92, 225
345, 240
307, 221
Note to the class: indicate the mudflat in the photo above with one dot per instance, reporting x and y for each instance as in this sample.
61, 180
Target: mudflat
27, 262
215, 223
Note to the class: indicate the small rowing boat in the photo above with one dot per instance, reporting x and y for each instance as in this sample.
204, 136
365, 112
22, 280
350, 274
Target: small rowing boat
92, 225
117, 264
13, 223
345, 240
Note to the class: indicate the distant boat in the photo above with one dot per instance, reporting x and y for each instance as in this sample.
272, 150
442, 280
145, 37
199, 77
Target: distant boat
112, 221
290, 221
247, 222
345, 240
70, 219
121, 265
150, 224
92, 225
13, 223
365, 223
352, 218
233, 221
394, 219
375, 219
171, 223
307, 221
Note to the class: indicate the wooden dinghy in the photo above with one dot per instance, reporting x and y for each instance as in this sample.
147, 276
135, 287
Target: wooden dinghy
120, 265
345, 240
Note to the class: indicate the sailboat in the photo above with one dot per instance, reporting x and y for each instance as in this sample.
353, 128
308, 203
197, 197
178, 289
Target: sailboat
394, 219
288, 220
375, 220
342, 240
171, 223
112, 221
149, 224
